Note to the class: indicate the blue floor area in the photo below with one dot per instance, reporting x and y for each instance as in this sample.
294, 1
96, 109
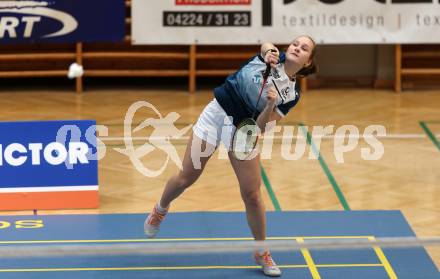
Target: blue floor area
411, 263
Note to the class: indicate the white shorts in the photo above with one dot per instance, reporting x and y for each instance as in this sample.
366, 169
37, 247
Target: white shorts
214, 126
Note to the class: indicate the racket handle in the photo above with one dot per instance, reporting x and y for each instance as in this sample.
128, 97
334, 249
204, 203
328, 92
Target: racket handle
266, 72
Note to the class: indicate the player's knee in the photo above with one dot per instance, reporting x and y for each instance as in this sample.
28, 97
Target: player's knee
252, 198
184, 180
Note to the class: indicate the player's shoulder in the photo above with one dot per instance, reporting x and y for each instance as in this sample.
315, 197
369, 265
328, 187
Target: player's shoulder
255, 64
257, 60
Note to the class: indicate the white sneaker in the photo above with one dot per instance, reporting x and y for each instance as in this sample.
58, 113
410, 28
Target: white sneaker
268, 265
152, 223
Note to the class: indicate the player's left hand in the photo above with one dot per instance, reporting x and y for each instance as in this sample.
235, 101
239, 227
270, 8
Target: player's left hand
272, 97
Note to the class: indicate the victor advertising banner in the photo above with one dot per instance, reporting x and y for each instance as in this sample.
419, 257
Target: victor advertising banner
48, 165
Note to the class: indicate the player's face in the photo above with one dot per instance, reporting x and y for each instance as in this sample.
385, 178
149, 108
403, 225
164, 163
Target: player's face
300, 51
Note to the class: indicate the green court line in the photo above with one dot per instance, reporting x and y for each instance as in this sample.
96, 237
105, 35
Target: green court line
433, 121
324, 166
269, 189
430, 135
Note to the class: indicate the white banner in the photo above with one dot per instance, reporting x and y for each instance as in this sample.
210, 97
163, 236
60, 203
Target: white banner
279, 21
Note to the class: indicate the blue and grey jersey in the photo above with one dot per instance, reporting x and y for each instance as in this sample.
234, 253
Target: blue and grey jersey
238, 96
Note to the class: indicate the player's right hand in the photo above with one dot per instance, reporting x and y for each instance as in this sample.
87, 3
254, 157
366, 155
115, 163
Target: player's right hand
272, 57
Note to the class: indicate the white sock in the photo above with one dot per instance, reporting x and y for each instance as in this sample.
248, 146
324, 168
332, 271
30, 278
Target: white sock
160, 209
261, 251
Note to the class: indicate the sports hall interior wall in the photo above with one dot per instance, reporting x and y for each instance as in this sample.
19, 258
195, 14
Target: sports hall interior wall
368, 66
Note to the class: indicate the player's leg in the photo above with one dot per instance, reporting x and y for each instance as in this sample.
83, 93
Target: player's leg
177, 184
249, 178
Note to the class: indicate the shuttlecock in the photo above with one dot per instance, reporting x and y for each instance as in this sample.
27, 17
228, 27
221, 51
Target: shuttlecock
75, 70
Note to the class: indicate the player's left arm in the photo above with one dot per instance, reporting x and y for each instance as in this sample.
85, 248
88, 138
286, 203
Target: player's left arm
269, 113
280, 111
275, 115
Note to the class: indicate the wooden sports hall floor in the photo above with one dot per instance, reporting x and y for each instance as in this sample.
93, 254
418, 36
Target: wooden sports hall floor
406, 178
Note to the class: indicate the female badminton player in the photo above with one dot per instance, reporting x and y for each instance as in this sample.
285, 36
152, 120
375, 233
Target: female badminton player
241, 97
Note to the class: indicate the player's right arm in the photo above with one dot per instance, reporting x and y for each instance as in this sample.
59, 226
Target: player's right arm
270, 53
